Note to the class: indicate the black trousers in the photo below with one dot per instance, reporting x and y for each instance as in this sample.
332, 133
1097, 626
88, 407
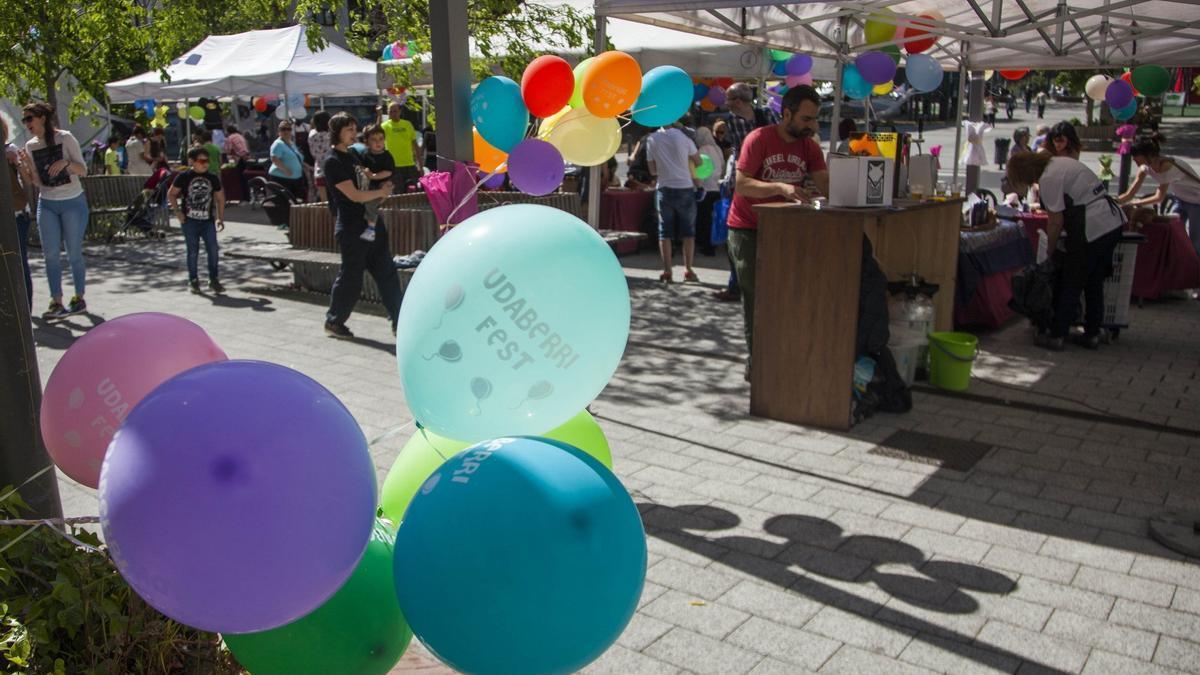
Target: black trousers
371, 257
1085, 266
704, 214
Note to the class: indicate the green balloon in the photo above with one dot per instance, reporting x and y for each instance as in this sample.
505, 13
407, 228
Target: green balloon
196, 113
892, 51
426, 451
780, 55
1151, 81
705, 169
577, 96
359, 630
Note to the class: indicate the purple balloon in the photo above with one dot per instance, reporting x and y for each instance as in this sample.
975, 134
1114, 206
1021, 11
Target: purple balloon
716, 95
776, 105
1118, 94
876, 67
536, 167
237, 496
799, 64
494, 182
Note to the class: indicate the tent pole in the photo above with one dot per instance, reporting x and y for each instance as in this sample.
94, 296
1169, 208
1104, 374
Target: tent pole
595, 189
321, 102
975, 113
835, 119
964, 49
186, 142
451, 82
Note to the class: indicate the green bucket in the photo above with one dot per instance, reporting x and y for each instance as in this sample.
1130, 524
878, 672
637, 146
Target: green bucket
950, 359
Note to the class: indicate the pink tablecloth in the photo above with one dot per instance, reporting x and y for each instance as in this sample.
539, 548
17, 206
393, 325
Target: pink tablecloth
627, 211
231, 185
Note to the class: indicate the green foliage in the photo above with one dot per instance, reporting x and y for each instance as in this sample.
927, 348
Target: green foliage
1073, 80
66, 609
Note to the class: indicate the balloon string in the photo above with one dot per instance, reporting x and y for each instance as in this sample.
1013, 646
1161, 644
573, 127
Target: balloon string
390, 432
474, 190
27, 482
430, 443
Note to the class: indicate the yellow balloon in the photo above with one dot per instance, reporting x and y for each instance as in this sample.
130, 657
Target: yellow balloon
581, 137
987, 74
880, 27
881, 89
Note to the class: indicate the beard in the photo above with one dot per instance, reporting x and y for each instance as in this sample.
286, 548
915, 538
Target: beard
799, 132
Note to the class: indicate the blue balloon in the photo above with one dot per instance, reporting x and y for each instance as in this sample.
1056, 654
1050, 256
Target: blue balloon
699, 92
521, 556
853, 84
923, 72
666, 95
1122, 114
512, 324
779, 68
499, 112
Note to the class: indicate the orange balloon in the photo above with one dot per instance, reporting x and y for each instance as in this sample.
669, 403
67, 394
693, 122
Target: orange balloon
611, 84
707, 105
487, 156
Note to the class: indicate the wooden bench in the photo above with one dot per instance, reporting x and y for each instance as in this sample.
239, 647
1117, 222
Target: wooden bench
108, 198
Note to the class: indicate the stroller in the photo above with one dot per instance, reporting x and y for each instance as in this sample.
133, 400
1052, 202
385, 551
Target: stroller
276, 200
147, 215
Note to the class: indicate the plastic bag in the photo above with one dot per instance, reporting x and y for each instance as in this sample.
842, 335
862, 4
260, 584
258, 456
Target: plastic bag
720, 226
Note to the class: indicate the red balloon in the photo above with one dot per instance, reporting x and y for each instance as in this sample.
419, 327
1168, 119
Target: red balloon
547, 85
1013, 74
1128, 77
918, 46
260, 104
724, 82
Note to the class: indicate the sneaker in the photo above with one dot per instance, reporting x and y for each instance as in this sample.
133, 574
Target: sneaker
1046, 341
55, 311
194, 286
368, 234
1086, 341
691, 276
725, 295
76, 306
338, 330
215, 286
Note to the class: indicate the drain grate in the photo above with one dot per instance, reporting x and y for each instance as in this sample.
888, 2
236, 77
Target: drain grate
949, 453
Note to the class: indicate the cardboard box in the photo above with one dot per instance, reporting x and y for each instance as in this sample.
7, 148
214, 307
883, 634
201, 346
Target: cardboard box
860, 181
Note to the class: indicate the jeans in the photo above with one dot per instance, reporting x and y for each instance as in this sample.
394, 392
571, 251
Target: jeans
63, 222
743, 249
193, 231
1086, 266
359, 256
1189, 213
676, 212
23, 239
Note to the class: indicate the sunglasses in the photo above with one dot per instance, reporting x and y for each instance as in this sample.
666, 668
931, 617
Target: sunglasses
27, 119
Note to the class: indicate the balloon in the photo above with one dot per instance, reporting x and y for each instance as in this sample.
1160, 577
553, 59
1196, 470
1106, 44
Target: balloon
611, 84
779, 68
910, 31
581, 137
1151, 80
426, 451
196, 113
1118, 94
1127, 77
387, 54
699, 92
724, 82
666, 95
295, 102
536, 167
1013, 74
400, 49
1126, 112
776, 106
880, 27
489, 159
520, 555
547, 85
518, 327
238, 496
881, 89
104, 374
707, 105
494, 181
499, 113
779, 55
705, 169
853, 84
923, 72
893, 51
281, 112
359, 630
577, 95
797, 80
799, 64
260, 104
717, 96
875, 67
1096, 87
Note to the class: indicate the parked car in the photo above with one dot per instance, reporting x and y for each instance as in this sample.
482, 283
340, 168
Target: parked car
884, 108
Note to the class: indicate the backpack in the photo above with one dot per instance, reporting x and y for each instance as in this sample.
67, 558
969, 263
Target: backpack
1033, 293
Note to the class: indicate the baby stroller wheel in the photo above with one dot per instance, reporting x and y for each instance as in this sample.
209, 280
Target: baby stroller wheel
278, 265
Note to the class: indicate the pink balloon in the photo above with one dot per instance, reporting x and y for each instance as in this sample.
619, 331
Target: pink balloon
795, 80
105, 374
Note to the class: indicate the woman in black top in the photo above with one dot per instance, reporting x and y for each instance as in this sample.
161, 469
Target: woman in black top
349, 191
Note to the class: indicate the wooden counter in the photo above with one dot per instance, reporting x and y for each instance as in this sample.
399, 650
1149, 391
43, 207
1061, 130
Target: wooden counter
806, 297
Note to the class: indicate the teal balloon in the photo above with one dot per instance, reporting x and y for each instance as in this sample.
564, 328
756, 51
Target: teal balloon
1122, 114
666, 95
520, 556
499, 112
512, 324
780, 67
923, 72
853, 84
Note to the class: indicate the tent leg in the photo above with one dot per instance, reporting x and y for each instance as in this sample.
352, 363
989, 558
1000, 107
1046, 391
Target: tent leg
964, 48
975, 112
451, 81
186, 142
835, 119
595, 189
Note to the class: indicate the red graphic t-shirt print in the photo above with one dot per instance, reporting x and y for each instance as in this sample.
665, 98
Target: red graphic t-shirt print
767, 157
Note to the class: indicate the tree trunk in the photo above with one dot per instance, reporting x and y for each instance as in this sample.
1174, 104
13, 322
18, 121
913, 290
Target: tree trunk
51, 84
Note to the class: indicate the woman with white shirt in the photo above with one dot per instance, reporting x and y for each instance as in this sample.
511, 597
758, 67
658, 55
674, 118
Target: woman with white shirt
137, 152
53, 161
1173, 176
707, 143
1079, 206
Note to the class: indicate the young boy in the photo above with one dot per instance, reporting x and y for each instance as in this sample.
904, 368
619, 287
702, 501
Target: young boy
378, 167
112, 157
202, 200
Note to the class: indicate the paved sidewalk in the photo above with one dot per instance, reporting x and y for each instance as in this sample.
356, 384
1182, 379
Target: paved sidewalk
776, 548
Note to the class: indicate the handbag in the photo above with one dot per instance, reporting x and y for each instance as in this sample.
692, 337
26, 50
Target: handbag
720, 228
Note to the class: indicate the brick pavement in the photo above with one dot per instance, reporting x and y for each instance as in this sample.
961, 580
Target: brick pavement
776, 548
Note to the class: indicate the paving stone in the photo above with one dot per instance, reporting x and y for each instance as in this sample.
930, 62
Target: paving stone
1108, 521
842, 500
782, 486
707, 618
939, 621
1157, 619
1031, 504
1087, 554
948, 545
923, 517
1181, 654
1096, 633
1012, 537
642, 631
1084, 603
1186, 600
872, 635
770, 666
778, 605
1056, 527
1028, 563
700, 654
723, 472
801, 647
620, 660
854, 661
1124, 586
1186, 574
971, 508
706, 583
1033, 647
1106, 663
948, 656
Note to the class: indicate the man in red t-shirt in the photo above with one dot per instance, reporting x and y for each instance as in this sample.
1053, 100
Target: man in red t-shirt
778, 163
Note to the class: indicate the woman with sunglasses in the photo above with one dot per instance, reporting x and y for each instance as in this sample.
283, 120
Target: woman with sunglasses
287, 164
53, 159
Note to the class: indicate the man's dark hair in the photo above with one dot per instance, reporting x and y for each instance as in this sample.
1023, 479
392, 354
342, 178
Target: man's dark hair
231, 129
337, 123
114, 139
139, 131
205, 136
197, 153
799, 94
321, 120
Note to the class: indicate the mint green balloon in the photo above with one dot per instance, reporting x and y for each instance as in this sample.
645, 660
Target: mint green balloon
513, 323
705, 169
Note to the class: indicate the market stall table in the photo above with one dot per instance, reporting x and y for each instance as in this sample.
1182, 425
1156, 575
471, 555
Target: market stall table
628, 211
231, 184
987, 261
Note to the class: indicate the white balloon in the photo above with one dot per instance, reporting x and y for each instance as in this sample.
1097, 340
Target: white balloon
1096, 86
281, 112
